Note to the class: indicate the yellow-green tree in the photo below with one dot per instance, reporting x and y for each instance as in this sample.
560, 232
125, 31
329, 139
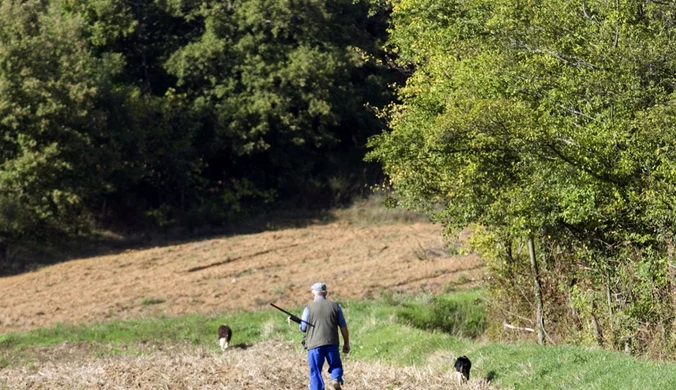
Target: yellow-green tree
550, 120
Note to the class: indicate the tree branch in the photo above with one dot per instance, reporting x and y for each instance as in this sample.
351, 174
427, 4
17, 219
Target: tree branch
508, 326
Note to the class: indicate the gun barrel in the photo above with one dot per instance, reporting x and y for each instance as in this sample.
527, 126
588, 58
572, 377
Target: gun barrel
291, 316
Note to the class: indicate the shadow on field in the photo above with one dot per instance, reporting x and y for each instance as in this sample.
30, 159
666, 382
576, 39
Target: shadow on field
242, 346
31, 255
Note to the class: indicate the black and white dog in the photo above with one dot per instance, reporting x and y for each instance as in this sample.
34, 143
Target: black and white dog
224, 336
462, 366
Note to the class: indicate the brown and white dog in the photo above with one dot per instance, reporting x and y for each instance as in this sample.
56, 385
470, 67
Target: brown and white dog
224, 336
462, 367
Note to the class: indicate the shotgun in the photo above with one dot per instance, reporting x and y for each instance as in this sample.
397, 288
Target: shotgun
291, 316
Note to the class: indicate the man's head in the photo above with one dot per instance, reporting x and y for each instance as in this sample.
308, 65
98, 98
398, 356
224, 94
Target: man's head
319, 288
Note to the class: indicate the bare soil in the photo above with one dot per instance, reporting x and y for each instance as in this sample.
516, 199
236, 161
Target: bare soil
236, 273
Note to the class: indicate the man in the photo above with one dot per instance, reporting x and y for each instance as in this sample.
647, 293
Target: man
325, 318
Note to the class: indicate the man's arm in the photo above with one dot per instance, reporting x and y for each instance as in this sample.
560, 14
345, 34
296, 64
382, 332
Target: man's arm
303, 324
346, 339
342, 324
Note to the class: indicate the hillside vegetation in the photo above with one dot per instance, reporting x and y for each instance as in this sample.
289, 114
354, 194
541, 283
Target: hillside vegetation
546, 128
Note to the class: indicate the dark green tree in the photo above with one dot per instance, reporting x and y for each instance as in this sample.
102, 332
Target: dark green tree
135, 113
49, 121
283, 86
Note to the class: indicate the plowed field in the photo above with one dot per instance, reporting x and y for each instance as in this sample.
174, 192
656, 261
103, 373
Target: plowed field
238, 272
220, 275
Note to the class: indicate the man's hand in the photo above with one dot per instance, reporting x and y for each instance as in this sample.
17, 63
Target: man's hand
346, 348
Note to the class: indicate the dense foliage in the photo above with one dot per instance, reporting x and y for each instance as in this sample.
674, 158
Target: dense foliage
181, 112
550, 120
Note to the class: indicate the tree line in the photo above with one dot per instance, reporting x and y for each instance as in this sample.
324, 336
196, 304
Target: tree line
132, 114
550, 127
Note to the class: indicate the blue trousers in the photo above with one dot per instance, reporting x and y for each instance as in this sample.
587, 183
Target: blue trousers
316, 357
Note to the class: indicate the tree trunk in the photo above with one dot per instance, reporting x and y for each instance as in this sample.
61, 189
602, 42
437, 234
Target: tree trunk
598, 334
539, 321
671, 265
3, 251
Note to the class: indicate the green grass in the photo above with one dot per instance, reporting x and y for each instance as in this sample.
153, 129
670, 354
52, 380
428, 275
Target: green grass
373, 211
197, 329
528, 366
152, 301
379, 332
462, 314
